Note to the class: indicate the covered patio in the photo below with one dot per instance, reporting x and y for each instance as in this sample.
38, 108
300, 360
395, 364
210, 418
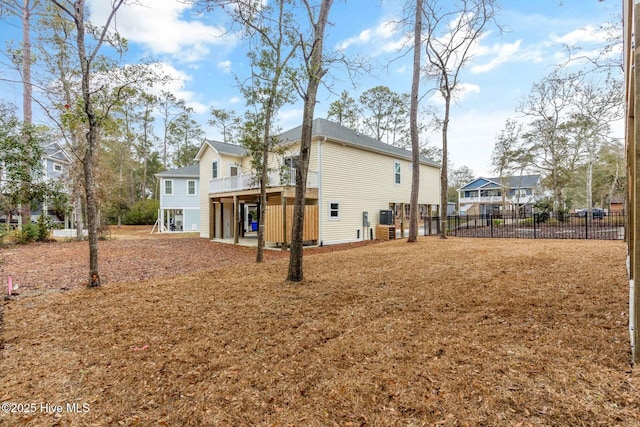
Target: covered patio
234, 215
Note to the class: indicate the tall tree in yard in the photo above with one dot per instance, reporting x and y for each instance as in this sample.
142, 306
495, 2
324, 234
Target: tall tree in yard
413, 125
271, 30
344, 111
553, 152
596, 105
507, 155
25, 10
185, 134
227, 122
451, 29
315, 69
75, 10
385, 114
170, 109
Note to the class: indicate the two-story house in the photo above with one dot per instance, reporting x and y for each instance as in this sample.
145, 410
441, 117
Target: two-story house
484, 196
55, 166
179, 199
351, 178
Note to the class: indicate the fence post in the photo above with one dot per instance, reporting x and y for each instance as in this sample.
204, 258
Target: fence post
491, 224
535, 220
586, 225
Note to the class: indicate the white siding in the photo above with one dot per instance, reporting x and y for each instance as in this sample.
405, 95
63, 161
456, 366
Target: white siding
225, 161
364, 181
208, 156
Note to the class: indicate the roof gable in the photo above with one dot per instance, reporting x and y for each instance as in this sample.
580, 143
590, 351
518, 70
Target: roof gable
476, 183
222, 148
519, 181
54, 151
191, 171
334, 131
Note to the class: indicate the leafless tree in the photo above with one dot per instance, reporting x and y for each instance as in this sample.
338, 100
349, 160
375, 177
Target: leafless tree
451, 30
315, 70
75, 10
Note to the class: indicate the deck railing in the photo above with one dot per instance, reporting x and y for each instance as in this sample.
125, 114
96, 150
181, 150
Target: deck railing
249, 181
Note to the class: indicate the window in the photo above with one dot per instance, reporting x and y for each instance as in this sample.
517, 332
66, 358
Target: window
233, 170
397, 178
168, 187
518, 192
490, 193
191, 187
57, 167
214, 169
334, 210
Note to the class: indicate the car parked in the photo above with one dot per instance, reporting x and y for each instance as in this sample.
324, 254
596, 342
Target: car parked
595, 212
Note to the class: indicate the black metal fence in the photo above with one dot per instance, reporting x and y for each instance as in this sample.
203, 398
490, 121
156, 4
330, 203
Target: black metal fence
536, 226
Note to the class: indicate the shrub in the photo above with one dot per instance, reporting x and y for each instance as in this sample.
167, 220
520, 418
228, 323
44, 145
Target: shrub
43, 226
527, 222
563, 215
4, 232
497, 222
143, 212
28, 234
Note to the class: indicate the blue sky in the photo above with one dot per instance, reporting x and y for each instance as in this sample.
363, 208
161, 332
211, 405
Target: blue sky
202, 58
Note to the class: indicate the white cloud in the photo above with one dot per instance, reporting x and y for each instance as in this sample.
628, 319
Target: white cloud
361, 38
376, 36
504, 52
290, 118
471, 138
462, 91
235, 100
225, 66
175, 83
588, 34
159, 26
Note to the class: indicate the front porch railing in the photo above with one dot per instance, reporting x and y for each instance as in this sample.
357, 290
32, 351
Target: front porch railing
249, 181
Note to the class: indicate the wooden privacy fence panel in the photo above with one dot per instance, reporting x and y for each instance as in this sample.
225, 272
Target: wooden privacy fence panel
274, 224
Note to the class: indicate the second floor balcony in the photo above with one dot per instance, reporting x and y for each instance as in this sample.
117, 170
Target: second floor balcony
522, 199
251, 181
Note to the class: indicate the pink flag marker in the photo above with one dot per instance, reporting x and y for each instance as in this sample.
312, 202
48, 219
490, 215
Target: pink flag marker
9, 285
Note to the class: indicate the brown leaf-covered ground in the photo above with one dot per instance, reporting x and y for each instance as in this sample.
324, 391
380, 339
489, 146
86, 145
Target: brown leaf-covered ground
484, 332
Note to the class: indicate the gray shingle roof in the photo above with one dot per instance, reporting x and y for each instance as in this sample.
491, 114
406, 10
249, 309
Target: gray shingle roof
524, 181
336, 132
54, 150
224, 148
191, 171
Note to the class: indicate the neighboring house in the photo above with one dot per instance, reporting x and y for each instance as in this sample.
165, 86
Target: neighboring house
351, 179
616, 205
179, 199
484, 196
55, 165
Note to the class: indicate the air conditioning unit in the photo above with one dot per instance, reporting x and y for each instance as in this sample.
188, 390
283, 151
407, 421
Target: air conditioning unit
386, 217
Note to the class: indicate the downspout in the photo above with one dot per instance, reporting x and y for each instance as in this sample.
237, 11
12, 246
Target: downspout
320, 200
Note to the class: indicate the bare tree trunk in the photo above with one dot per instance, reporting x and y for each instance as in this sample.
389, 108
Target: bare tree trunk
264, 177
77, 14
614, 181
443, 170
78, 209
590, 188
316, 72
25, 209
413, 124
